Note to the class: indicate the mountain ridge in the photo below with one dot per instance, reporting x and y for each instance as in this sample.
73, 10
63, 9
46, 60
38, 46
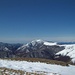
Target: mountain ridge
39, 49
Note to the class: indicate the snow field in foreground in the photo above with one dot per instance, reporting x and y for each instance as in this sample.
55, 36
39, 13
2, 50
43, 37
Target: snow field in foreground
37, 66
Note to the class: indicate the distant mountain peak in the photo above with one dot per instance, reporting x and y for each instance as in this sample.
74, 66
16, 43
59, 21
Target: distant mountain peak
36, 44
39, 41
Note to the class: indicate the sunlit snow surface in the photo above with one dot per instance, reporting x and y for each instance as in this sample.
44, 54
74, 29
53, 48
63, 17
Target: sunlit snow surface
37, 66
68, 51
49, 43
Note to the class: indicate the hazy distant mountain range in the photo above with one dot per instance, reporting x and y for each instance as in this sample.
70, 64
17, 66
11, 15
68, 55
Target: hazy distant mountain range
63, 51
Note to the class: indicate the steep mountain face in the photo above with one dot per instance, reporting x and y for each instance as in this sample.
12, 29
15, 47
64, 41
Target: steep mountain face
39, 49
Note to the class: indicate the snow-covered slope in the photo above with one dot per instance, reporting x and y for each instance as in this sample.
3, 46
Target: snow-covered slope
35, 42
44, 42
38, 49
49, 43
37, 66
68, 51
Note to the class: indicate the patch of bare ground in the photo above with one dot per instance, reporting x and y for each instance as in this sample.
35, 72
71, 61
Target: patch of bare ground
6, 71
40, 60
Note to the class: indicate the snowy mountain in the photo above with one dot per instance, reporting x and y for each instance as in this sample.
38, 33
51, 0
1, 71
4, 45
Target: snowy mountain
4, 51
68, 51
8, 50
50, 50
36, 43
39, 49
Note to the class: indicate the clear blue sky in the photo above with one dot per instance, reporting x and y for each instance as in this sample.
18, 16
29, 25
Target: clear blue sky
23, 20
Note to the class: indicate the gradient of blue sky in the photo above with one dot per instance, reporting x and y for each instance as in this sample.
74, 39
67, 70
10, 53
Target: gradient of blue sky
22, 20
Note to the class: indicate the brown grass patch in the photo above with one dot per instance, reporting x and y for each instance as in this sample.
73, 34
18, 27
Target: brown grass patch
40, 60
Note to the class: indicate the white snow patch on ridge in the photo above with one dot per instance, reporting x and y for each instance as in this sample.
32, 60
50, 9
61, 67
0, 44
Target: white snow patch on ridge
37, 66
35, 42
49, 43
